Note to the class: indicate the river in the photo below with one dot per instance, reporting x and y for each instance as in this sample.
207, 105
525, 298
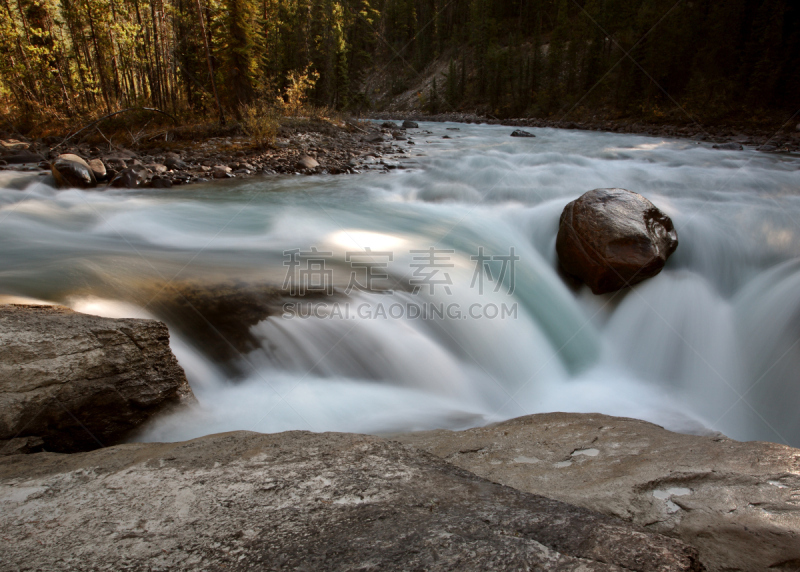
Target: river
437, 299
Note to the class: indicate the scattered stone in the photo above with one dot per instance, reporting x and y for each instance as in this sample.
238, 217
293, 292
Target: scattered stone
306, 162
735, 502
613, 238
299, 501
222, 172
521, 133
98, 169
23, 157
13, 145
79, 382
69, 173
410, 124
74, 158
117, 163
727, 146
129, 178
156, 168
158, 182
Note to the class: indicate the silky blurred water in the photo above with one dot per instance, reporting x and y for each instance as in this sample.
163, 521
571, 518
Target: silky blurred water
711, 344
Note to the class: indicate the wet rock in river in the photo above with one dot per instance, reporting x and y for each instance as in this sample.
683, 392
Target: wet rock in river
727, 146
80, 382
72, 171
613, 238
129, 178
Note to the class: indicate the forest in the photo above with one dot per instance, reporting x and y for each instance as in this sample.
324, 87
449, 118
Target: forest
218, 59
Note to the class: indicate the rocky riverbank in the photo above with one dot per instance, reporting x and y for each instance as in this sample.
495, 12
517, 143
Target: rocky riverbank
301, 147
783, 140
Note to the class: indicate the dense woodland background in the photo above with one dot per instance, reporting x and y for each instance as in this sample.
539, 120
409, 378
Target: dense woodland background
715, 60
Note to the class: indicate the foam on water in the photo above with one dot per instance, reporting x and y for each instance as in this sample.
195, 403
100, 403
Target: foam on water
711, 344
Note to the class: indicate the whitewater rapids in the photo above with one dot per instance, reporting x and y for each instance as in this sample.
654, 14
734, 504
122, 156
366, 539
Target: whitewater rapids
710, 344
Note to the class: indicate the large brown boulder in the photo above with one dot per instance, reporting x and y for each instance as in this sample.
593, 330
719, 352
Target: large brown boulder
298, 501
72, 382
613, 238
737, 503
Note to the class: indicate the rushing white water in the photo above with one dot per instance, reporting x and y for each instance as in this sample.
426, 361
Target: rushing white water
710, 344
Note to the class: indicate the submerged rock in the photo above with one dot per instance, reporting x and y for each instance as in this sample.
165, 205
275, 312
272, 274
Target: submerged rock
79, 382
410, 124
299, 501
613, 238
737, 503
521, 133
727, 146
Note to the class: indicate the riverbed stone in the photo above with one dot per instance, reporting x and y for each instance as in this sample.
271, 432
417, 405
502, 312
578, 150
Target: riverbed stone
306, 162
98, 168
221, 171
730, 146
407, 124
23, 157
737, 503
175, 163
613, 238
72, 171
129, 178
522, 133
117, 162
299, 501
79, 382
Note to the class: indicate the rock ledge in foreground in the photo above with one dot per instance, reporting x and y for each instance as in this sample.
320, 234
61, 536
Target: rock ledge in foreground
73, 382
737, 503
298, 501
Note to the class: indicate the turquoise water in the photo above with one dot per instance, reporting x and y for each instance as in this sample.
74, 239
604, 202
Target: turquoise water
711, 344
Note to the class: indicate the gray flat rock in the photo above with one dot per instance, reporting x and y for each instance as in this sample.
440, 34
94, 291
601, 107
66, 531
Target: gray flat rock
737, 503
298, 501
